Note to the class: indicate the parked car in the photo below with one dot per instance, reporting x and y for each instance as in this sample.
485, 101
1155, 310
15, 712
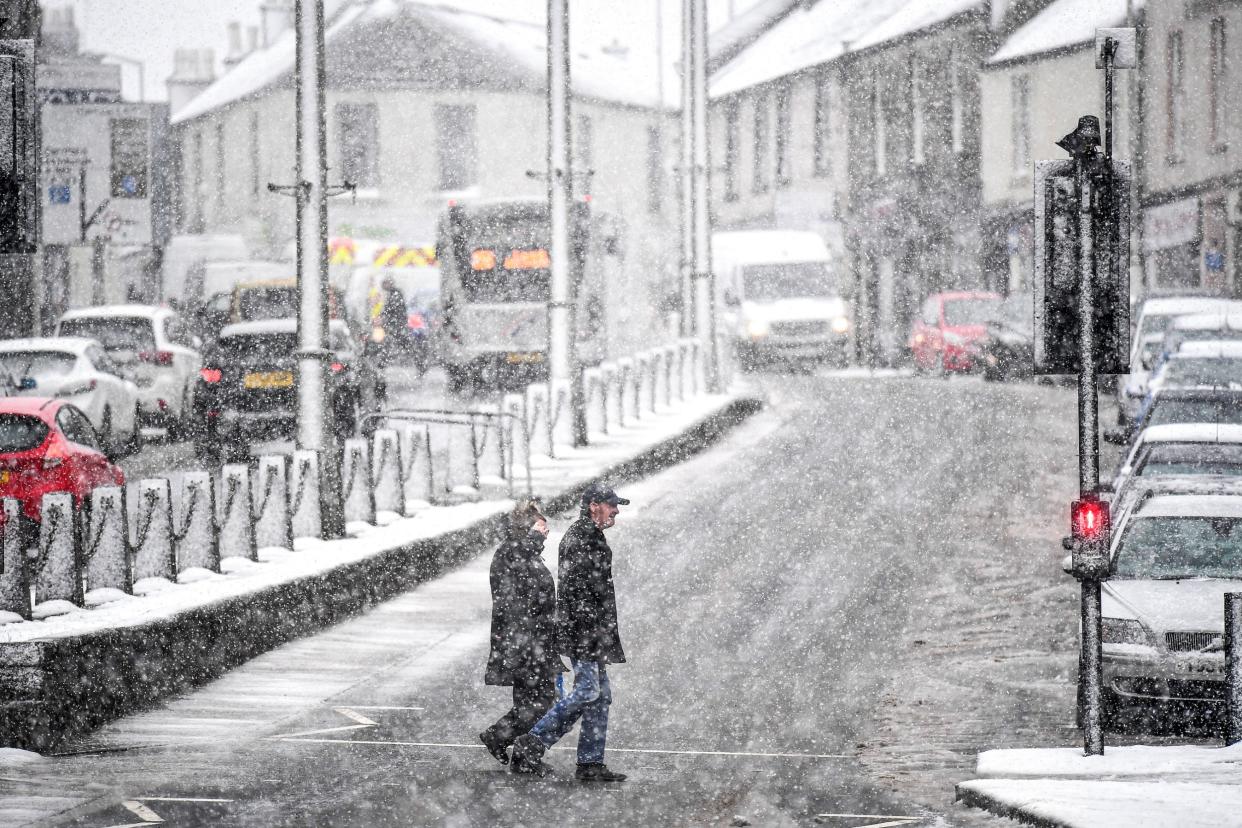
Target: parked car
1201, 364
49, 445
248, 386
1189, 449
1196, 327
946, 336
1007, 348
1153, 319
1181, 405
1175, 554
156, 346
79, 371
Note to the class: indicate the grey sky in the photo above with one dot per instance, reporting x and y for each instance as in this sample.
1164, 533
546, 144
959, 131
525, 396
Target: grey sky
149, 30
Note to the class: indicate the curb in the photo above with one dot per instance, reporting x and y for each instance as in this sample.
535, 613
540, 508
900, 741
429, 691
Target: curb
56, 689
978, 799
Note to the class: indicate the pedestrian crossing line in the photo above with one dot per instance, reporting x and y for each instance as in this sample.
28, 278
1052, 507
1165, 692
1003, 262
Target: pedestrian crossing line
656, 751
892, 821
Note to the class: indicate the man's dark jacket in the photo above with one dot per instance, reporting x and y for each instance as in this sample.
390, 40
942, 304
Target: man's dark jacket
586, 602
523, 614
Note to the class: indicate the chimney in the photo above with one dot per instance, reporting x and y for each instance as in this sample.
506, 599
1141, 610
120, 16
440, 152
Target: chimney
193, 71
59, 35
277, 16
236, 51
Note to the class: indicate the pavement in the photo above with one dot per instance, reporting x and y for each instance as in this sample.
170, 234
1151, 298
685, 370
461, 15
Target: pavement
827, 616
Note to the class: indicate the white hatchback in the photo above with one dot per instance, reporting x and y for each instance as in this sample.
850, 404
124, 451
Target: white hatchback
156, 346
79, 371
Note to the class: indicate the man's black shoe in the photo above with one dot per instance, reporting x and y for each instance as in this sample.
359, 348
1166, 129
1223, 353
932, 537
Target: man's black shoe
597, 772
527, 753
494, 746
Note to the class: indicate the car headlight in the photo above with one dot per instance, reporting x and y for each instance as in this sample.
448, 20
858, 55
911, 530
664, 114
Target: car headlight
757, 328
1124, 631
377, 334
840, 325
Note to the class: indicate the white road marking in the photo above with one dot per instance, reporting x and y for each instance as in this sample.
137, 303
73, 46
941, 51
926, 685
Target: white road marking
290, 737
182, 798
296, 737
379, 707
357, 717
893, 821
142, 811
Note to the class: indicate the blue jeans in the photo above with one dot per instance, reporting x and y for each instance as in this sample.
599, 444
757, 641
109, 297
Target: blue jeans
589, 701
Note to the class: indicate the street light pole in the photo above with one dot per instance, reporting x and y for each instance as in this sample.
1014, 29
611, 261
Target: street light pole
689, 319
563, 368
314, 414
704, 277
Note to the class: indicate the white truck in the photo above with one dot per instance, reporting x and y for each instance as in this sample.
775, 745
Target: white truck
777, 291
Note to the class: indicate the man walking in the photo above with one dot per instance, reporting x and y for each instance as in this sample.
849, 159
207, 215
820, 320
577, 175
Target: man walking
586, 606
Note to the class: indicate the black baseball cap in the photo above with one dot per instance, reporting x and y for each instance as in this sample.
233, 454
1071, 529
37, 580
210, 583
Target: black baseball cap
602, 493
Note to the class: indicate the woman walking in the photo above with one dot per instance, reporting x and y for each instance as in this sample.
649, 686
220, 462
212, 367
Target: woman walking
523, 653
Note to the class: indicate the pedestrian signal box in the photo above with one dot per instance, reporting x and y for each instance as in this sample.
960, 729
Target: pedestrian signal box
19, 211
1059, 265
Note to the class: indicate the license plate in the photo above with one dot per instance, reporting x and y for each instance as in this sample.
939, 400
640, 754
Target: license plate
4, 477
268, 379
522, 359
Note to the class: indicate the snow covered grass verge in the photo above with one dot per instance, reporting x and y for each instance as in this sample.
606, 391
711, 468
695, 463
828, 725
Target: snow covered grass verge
1182, 786
73, 671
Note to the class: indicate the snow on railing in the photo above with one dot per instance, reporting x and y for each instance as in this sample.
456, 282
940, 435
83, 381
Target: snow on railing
142, 540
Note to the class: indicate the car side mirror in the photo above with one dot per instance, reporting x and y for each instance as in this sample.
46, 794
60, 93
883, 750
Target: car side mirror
1116, 436
197, 342
1146, 362
1067, 563
1106, 486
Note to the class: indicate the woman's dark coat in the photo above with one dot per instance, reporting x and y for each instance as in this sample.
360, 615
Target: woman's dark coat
523, 614
587, 602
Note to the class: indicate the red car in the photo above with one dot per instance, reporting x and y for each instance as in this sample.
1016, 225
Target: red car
945, 337
48, 445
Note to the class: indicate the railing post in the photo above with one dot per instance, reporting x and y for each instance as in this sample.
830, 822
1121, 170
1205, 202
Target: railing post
389, 473
153, 547
306, 518
1233, 668
197, 546
236, 518
59, 573
272, 525
359, 497
15, 576
106, 543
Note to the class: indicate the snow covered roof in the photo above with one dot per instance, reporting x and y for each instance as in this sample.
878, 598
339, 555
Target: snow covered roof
1063, 24
54, 344
725, 42
827, 30
607, 65
1192, 433
1209, 349
109, 311
1192, 505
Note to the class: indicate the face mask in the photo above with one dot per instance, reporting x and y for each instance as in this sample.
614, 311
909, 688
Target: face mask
535, 534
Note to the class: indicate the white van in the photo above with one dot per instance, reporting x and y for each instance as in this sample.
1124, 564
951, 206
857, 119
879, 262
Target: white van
779, 298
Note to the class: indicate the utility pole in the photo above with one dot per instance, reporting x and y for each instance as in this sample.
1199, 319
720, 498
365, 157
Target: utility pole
564, 368
19, 169
689, 322
314, 414
704, 277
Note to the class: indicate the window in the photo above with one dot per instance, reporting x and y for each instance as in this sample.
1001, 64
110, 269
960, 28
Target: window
759, 173
1020, 124
880, 126
456, 147
916, 111
256, 177
76, 428
732, 147
1219, 68
584, 144
1175, 97
956, 120
783, 175
357, 136
823, 125
655, 170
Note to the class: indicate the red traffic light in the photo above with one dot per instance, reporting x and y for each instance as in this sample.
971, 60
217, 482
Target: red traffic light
1089, 519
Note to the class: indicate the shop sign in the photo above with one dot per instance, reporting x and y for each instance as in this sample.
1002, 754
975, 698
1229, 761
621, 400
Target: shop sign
1170, 225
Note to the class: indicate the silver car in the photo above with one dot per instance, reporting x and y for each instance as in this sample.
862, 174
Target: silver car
1175, 555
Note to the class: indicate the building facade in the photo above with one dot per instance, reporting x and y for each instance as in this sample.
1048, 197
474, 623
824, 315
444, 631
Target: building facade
1191, 177
424, 110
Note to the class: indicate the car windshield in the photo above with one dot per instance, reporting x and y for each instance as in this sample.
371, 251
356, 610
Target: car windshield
114, 333
1202, 371
769, 282
257, 346
970, 311
268, 303
1165, 411
1193, 459
19, 432
1168, 548
15, 365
